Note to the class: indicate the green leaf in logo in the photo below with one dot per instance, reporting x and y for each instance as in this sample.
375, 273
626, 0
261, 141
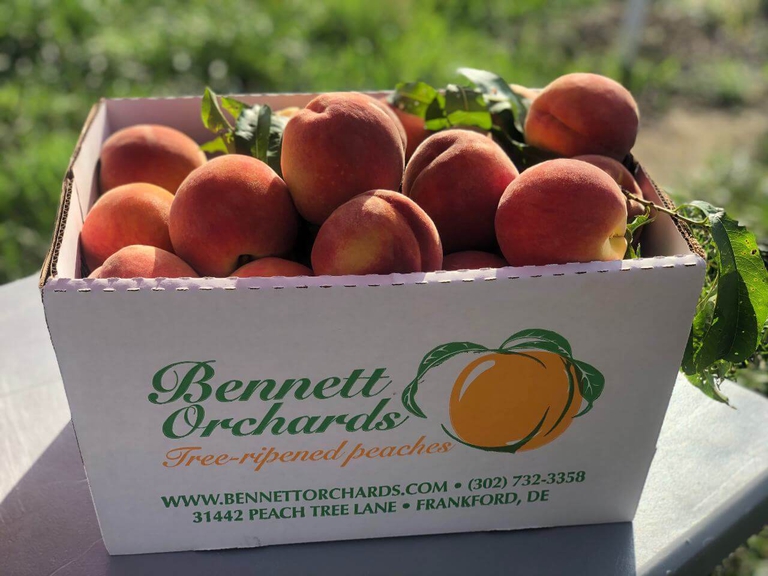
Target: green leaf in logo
538, 339
434, 358
591, 384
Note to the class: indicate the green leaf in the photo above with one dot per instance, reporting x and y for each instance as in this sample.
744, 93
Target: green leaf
259, 133
707, 382
591, 383
636, 223
741, 305
434, 358
497, 91
211, 114
538, 339
434, 117
522, 155
216, 145
233, 106
466, 107
413, 97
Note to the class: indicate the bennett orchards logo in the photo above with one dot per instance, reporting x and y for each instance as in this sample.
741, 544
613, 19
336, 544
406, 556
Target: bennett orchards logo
519, 396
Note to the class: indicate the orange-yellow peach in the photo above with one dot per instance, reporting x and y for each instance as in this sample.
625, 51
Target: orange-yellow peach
623, 178
458, 177
129, 214
231, 207
148, 153
266, 267
378, 232
582, 113
137, 261
472, 260
289, 112
562, 211
415, 131
341, 145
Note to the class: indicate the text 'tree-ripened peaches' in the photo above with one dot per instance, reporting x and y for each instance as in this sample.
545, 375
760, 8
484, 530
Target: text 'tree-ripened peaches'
378, 232
150, 153
457, 177
562, 211
583, 113
129, 214
138, 261
339, 146
231, 208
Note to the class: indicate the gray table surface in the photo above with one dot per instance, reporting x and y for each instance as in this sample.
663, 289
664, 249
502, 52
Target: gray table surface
707, 491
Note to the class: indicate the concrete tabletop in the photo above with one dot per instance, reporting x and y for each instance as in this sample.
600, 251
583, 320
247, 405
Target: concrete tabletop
706, 493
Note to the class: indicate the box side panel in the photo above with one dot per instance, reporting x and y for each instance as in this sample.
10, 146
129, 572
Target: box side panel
282, 410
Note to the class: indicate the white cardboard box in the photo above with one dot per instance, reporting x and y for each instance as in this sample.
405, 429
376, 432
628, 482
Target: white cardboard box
165, 477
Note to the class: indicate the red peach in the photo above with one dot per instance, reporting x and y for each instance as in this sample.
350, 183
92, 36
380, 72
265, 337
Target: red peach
378, 232
129, 214
148, 153
562, 211
621, 176
458, 177
472, 260
415, 130
339, 146
138, 261
580, 114
232, 207
267, 267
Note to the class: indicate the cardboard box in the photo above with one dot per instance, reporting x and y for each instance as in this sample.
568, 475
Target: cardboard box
221, 413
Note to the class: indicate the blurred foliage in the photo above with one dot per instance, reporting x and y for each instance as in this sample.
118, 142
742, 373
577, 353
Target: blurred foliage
57, 57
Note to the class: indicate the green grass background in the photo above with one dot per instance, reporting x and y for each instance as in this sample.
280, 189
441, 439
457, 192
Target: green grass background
57, 57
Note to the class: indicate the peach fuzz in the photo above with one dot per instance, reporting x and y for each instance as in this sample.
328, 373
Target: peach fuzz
341, 145
148, 153
562, 211
378, 232
472, 260
458, 177
129, 214
621, 176
138, 261
582, 113
267, 267
415, 131
232, 207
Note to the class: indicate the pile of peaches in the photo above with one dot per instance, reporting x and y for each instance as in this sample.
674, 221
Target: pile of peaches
366, 189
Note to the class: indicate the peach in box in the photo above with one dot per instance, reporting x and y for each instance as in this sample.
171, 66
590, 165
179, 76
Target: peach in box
583, 114
458, 177
232, 207
339, 146
137, 261
379, 232
129, 214
148, 153
562, 211
472, 260
268, 267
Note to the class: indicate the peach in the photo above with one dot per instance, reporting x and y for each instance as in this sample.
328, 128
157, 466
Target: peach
472, 260
415, 131
266, 267
458, 177
622, 177
148, 153
582, 113
137, 261
129, 214
378, 232
562, 211
339, 146
231, 208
